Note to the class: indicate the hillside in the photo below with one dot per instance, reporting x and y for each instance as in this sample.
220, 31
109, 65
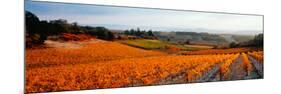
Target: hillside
201, 38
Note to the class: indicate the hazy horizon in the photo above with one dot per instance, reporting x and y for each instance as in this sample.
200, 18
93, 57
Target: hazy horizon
172, 29
123, 18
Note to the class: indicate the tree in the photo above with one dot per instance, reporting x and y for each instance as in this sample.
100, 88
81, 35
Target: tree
187, 41
31, 22
35, 33
233, 45
258, 40
104, 33
61, 26
168, 39
138, 32
150, 33
127, 32
132, 32
75, 28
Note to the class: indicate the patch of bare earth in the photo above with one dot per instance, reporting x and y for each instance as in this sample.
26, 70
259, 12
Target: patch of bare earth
70, 44
258, 67
237, 72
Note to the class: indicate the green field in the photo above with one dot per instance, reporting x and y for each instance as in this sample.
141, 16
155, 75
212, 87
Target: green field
145, 44
157, 44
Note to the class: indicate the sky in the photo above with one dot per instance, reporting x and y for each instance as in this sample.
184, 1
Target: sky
123, 18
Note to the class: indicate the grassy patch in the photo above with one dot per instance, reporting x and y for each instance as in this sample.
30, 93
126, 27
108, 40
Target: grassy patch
157, 44
199, 46
145, 44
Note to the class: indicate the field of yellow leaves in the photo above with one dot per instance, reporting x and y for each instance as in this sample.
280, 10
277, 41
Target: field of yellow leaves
117, 73
111, 65
219, 51
257, 55
89, 53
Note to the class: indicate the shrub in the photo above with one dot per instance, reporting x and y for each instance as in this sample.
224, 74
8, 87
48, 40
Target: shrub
76, 37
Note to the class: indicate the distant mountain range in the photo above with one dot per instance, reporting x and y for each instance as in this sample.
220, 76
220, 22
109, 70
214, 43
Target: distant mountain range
202, 38
198, 35
117, 27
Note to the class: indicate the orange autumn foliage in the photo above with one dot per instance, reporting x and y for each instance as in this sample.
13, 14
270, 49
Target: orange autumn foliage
117, 73
111, 65
200, 70
257, 55
76, 37
246, 63
218, 51
225, 67
89, 53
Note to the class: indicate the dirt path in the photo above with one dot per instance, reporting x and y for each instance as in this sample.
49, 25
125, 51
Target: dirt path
70, 44
258, 67
179, 77
237, 72
212, 75
209, 76
174, 78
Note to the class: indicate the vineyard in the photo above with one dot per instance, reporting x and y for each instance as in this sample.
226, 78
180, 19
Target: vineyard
82, 47
220, 51
92, 52
112, 65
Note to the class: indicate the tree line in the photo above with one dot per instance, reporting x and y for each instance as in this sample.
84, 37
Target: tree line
256, 42
37, 31
139, 33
